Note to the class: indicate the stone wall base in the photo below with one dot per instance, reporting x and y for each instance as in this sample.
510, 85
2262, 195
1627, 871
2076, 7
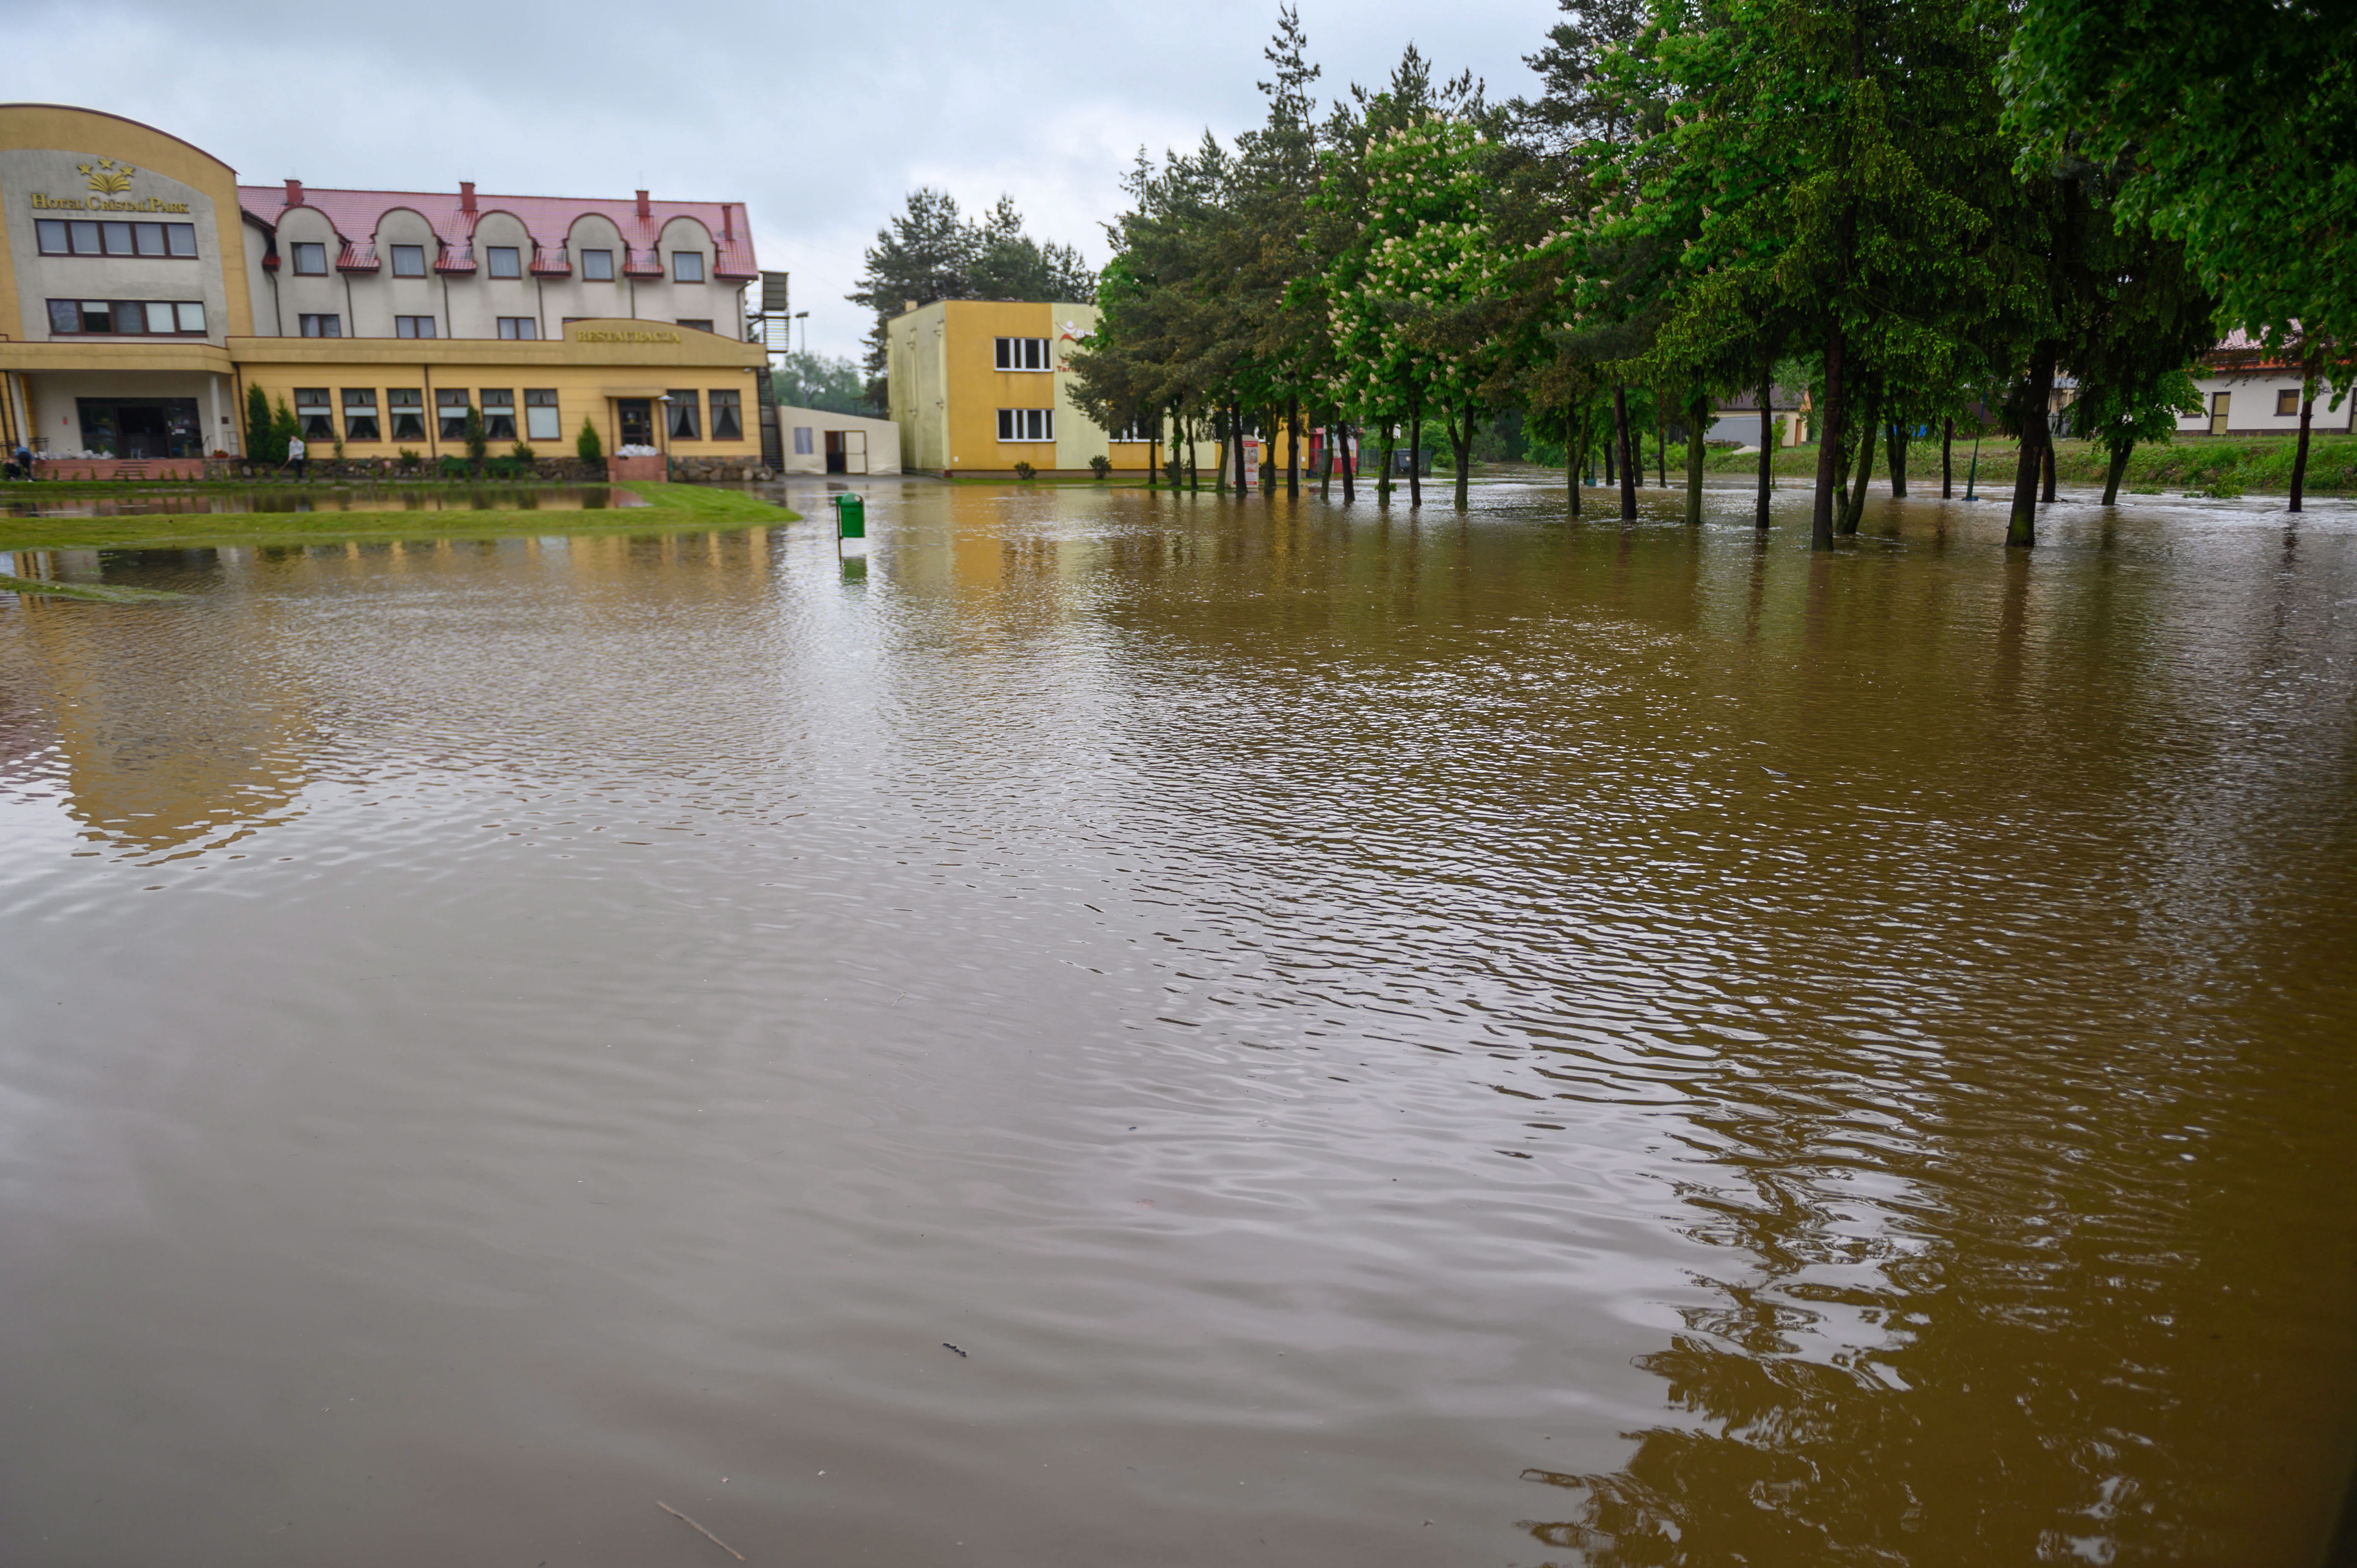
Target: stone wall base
389, 470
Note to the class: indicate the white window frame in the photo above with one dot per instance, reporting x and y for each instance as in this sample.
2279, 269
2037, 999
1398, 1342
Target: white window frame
1014, 423
543, 421
1010, 353
1134, 432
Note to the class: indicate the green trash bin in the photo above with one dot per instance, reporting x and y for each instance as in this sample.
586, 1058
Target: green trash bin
850, 517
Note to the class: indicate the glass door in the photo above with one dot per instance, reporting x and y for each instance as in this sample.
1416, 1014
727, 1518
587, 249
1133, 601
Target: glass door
637, 417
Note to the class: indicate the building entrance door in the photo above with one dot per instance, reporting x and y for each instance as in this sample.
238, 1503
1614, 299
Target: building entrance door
846, 451
140, 426
637, 418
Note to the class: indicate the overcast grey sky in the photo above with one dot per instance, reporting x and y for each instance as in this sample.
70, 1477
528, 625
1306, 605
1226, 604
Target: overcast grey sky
820, 117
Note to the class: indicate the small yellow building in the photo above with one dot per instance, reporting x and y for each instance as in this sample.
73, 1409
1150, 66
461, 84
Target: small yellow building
143, 291
978, 385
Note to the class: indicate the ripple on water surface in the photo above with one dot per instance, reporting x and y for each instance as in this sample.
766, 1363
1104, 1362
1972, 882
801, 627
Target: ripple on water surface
1382, 1037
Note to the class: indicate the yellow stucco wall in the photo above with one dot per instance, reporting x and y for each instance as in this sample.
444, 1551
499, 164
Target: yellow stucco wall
66, 129
593, 364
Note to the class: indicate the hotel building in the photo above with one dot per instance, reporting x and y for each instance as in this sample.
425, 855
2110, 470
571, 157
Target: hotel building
143, 291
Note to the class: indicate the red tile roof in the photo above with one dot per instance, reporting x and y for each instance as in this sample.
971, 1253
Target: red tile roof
356, 214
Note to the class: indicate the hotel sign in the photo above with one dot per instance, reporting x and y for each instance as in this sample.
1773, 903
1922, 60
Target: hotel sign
109, 179
602, 335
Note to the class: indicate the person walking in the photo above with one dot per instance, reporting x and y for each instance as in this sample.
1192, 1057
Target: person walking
20, 462
296, 456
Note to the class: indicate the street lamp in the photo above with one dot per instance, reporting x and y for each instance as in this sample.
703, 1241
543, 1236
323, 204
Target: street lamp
803, 317
662, 413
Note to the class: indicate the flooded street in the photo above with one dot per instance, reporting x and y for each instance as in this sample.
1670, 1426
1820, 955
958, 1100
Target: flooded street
1477, 1039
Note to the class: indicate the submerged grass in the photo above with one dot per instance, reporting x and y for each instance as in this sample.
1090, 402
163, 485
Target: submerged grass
2209, 463
670, 509
99, 593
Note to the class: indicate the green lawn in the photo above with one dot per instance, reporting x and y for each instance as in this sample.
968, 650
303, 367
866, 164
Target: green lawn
2247, 463
672, 509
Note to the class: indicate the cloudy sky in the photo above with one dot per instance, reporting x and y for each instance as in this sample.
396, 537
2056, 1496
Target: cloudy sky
818, 116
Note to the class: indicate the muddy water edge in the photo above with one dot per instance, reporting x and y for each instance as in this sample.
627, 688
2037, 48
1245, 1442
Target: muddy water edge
1378, 1037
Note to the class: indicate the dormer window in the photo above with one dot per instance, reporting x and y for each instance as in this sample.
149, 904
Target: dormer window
687, 266
598, 266
310, 260
504, 262
409, 260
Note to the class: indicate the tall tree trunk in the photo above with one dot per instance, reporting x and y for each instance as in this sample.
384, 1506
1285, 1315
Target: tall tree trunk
1349, 478
1462, 444
2046, 463
1326, 463
2307, 415
1154, 452
1661, 438
1869, 413
1696, 406
1628, 457
1387, 432
1829, 448
1767, 444
1292, 446
1609, 471
1947, 452
2038, 389
1194, 469
1236, 434
1219, 437
1415, 450
1898, 434
1575, 449
2121, 447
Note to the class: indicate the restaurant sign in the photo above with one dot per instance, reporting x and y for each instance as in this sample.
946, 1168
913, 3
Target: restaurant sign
603, 334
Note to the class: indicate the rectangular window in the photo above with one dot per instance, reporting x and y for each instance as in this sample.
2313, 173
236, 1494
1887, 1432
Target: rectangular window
539, 421
360, 414
505, 262
54, 238
519, 328
123, 317
131, 316
1027, 424
685, 426
598, 266
407, 406
85, 237
310, 260
315, 414
150, 238
702, 324
64, 237
181, 238
728, 423
412, 327
409, 260
687, 266
450, 407
801, 440
118, 238
1136, 430
323, 326
2287, 402
192, 315
1024, 354
499, 414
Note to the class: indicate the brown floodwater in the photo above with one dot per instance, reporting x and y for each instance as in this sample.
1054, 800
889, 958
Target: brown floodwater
1382, 1038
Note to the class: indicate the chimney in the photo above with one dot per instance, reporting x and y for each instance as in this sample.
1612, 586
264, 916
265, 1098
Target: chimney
465, 196
644, 210
294, 193
727, 220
